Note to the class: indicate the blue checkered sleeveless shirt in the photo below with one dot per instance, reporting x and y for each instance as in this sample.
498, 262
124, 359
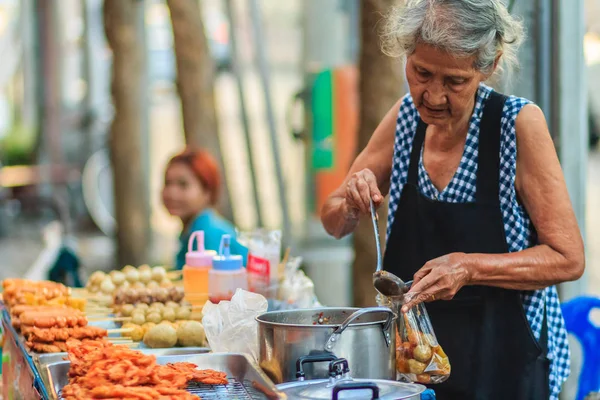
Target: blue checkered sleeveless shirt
517, 224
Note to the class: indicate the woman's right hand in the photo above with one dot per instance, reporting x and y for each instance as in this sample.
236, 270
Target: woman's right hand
360, 190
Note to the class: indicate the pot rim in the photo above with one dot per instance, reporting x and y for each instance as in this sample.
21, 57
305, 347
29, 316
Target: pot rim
261, 321
316, 383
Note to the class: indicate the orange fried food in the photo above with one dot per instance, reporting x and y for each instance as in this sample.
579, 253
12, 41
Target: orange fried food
23, 291
42, 320
19, 309
169, 393
205, 376
43, 347
100, 370
63, 334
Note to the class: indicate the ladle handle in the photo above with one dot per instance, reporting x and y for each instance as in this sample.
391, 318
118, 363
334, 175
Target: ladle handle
375, 220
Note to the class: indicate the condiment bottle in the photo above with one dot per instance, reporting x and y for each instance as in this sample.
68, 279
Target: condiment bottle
195, 271
228, 273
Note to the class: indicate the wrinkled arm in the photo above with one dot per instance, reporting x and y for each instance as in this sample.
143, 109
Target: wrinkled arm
559, 255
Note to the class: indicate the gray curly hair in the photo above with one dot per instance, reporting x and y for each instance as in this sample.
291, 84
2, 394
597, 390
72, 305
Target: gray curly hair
481, 28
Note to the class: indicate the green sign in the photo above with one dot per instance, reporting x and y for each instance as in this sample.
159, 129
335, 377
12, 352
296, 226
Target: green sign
323, 122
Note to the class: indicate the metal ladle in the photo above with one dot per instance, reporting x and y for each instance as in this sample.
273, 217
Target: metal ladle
386, 283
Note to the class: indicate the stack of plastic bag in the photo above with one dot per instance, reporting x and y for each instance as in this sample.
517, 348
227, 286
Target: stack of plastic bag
296, 288
231, 326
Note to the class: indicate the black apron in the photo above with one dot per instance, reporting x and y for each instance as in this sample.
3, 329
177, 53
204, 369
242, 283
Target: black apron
483, 330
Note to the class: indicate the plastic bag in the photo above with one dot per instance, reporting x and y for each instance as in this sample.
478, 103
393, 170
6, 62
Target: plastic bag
419, 356
231, 327
264, 255
296, 288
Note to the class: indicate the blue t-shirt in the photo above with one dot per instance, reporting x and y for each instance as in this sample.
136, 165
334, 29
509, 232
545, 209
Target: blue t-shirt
214, 226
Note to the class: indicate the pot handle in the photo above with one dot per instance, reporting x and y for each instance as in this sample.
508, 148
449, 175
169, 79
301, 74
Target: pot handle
340, 329
356, 386
300, 375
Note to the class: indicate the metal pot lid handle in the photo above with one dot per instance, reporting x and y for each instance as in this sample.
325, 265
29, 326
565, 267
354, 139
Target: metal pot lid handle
334, 338
356, 386
312, 358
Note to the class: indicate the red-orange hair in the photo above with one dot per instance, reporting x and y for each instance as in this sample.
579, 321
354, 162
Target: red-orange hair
204, 166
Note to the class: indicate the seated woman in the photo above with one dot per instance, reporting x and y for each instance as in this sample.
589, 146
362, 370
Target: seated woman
191, 189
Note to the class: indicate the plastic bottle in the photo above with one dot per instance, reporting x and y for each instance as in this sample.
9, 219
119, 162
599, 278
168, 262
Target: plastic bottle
264, 249
228, 273
195, 271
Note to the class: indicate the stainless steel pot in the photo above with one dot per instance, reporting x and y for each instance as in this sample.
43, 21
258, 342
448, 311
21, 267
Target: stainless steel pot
340, 385
365, 337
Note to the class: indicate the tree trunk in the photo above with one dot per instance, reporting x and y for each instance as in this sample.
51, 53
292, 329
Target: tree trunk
195, 84
131, 192
380, 87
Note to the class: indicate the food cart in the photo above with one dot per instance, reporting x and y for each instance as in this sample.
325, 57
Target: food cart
279, 342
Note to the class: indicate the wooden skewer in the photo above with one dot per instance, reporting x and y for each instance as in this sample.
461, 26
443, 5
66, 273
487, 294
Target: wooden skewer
130, 344
96, 301
119, 340
98, 308
174, 274
119, 330
97, 315
99, 311
109, 319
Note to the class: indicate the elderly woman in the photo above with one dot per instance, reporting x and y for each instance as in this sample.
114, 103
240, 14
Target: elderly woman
479, 214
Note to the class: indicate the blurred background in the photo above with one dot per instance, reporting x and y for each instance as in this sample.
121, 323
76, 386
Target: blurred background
96, 96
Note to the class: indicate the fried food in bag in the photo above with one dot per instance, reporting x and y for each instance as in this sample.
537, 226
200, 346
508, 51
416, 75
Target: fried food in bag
419, 356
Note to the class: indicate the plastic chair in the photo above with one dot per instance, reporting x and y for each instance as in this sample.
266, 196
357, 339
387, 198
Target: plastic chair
577, 318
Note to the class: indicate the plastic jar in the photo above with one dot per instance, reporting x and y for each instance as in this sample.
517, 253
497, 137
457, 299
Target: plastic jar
227, 275
196, 269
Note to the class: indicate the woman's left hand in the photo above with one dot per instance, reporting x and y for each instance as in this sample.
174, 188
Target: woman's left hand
439, 279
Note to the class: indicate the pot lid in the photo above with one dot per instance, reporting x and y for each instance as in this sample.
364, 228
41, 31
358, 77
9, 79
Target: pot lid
347, 388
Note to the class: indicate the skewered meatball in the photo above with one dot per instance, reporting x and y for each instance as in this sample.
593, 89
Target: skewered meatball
158, 274
138, 318
130, 296
120, 297
168, 314
138, 285
162, 295
166, 283
128, 268
144, 267
117, 277
127, 310
154, 317
171, 304
152, 285
176, 294
145, 296
145, 276
107, 286
141, 306
133, 276
96, 278
183, 312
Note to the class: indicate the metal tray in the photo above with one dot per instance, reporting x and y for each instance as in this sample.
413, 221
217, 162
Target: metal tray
45, 359
246, 380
